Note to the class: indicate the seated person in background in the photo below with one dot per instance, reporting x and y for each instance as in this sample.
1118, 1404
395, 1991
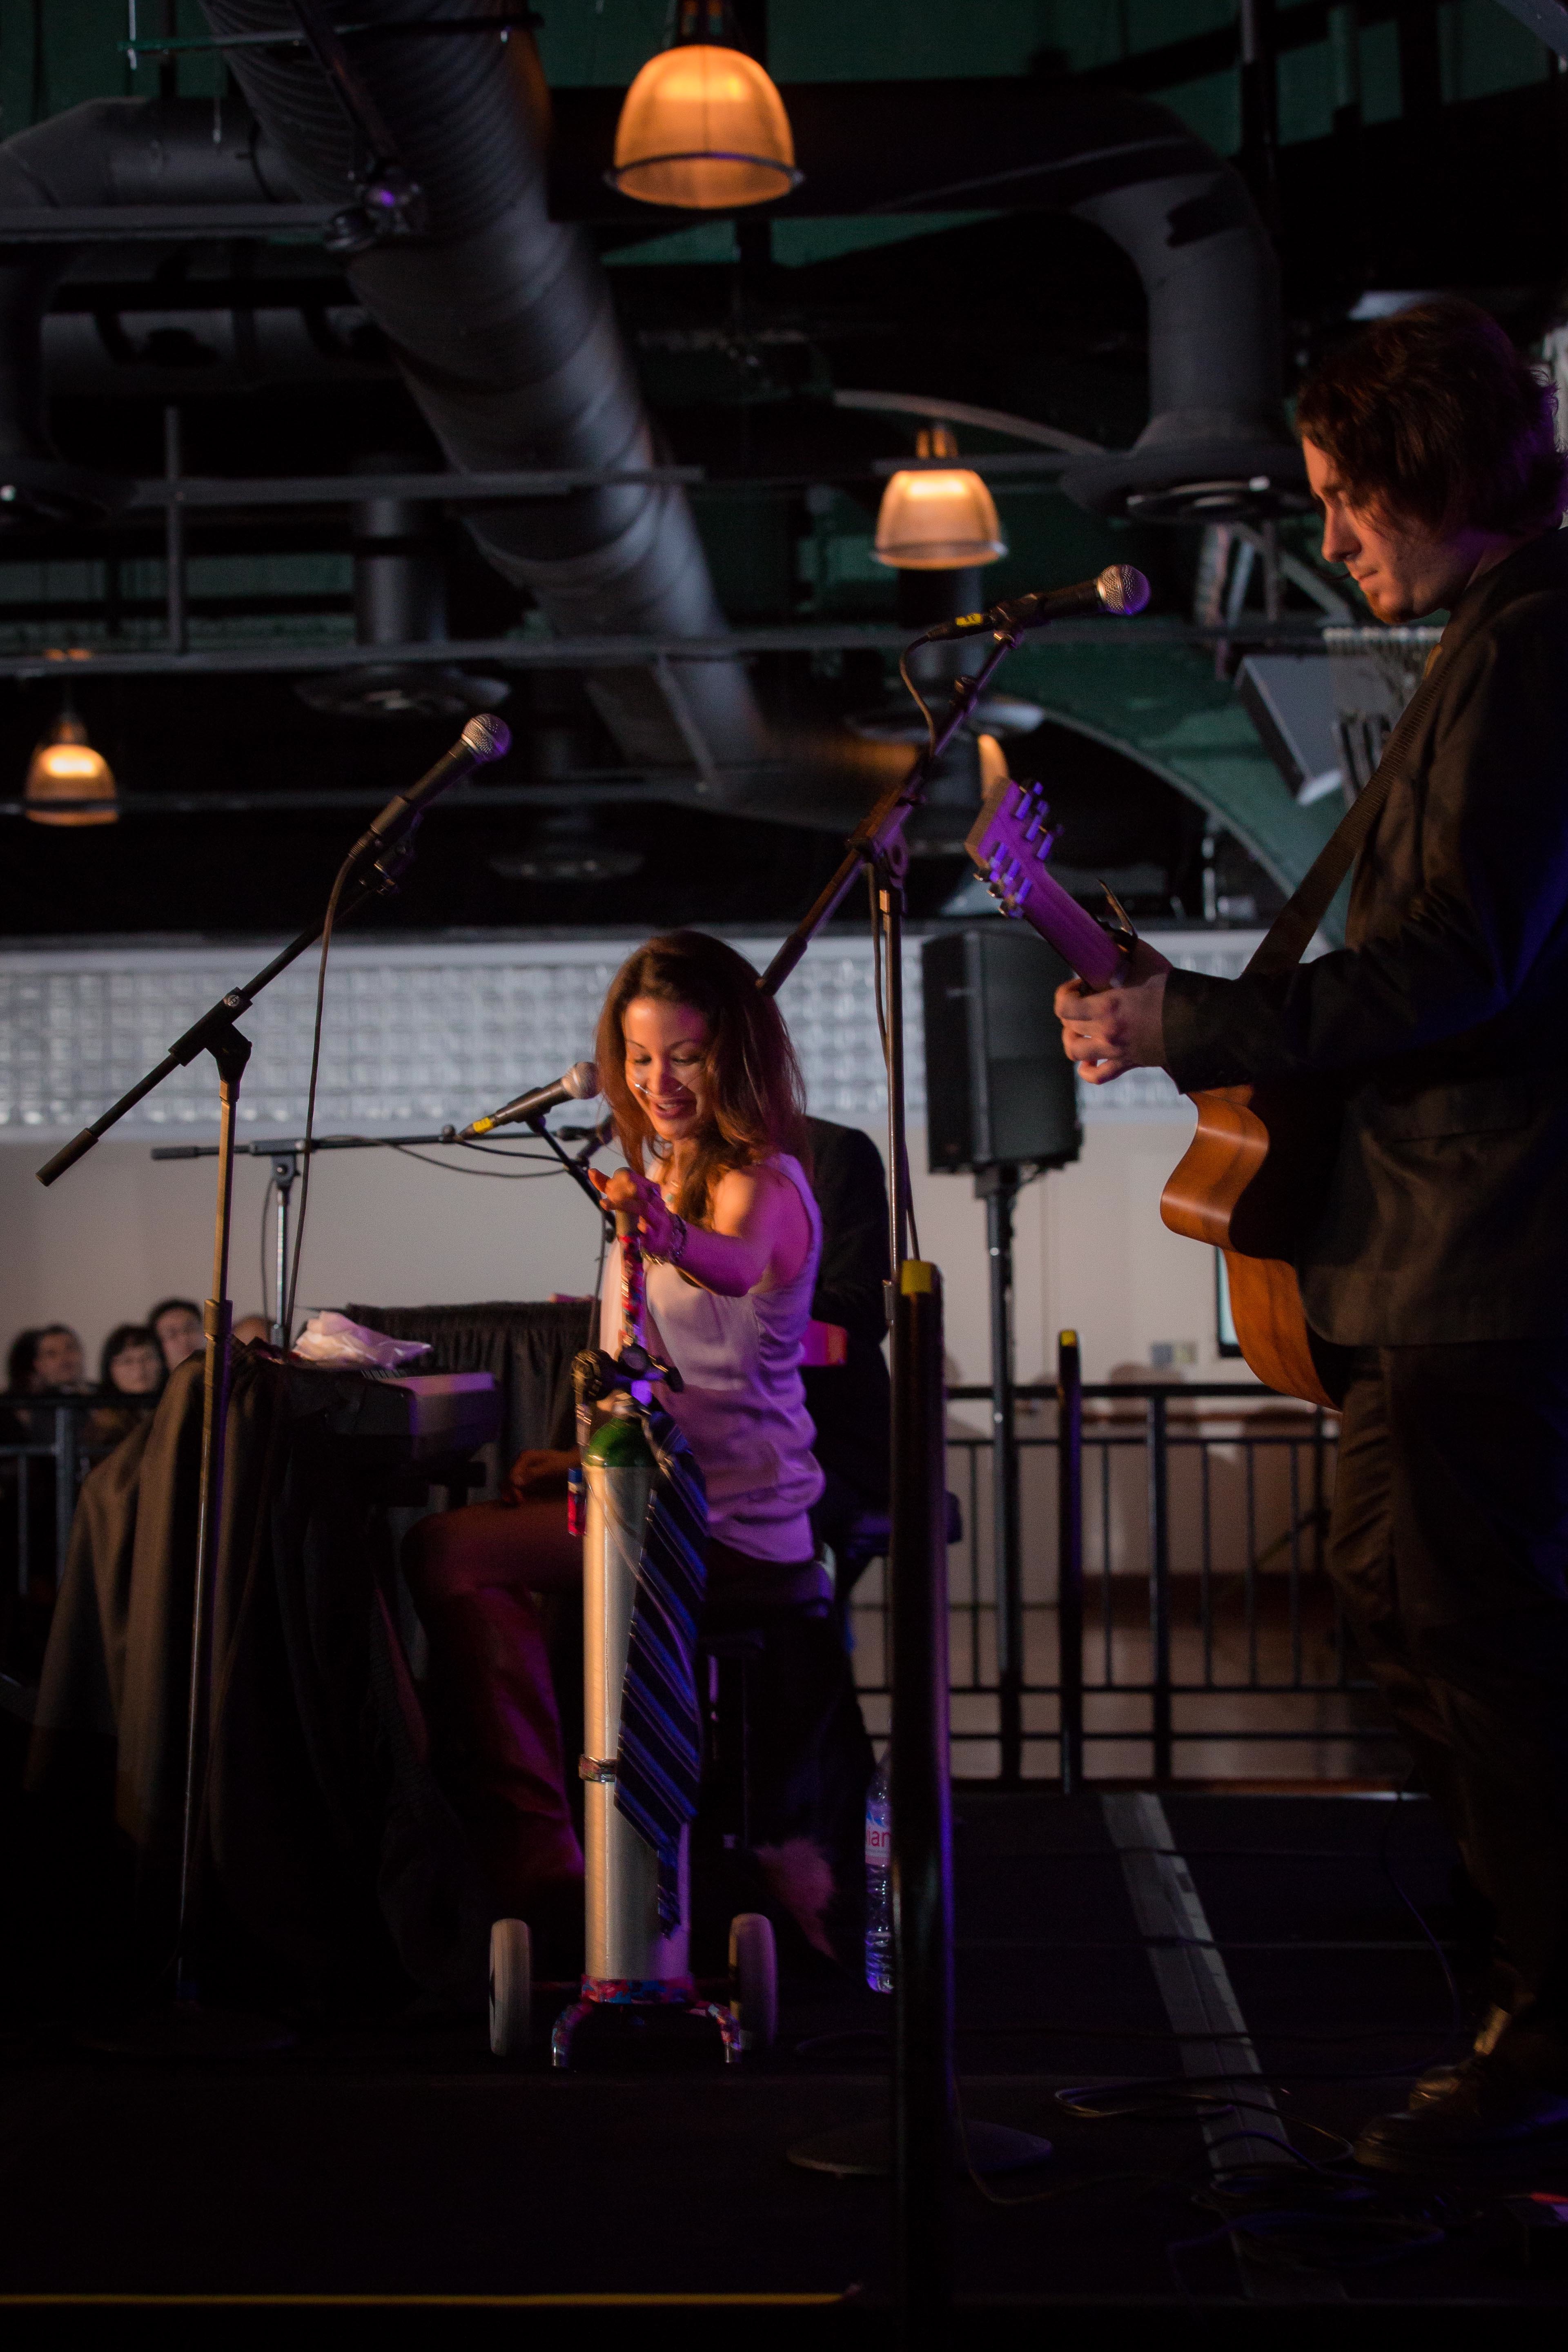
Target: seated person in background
177, 1325
130, 1376
850, 1403
702, 1079
47, 1359
252, 1327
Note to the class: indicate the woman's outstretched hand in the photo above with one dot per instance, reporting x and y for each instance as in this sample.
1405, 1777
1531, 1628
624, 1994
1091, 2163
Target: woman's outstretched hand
637, 1195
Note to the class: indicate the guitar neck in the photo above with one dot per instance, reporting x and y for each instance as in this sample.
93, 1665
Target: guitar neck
1068, 927
1009, 843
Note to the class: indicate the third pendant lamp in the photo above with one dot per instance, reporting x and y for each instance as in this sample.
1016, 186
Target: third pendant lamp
702, 126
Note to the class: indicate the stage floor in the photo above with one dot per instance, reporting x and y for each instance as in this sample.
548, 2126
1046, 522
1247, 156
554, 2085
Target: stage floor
399, 2161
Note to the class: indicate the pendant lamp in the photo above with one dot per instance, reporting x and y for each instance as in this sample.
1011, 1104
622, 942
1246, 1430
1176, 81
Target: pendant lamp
936, 520
702, 126
64, 767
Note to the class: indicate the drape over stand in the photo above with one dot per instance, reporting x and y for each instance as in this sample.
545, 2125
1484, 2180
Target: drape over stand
327, 1848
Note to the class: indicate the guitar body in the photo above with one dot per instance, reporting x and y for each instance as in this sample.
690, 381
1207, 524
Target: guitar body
1251, 1184
1255, 1174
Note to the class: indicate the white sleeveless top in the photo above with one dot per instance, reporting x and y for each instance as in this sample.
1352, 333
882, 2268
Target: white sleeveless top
741, 1409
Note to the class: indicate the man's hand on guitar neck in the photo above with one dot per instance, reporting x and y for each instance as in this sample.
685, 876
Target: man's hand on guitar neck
1106, 1031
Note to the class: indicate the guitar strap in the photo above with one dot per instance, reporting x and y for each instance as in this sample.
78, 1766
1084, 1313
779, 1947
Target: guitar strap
1292, 933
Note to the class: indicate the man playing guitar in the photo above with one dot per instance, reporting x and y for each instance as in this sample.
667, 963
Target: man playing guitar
1439, 1263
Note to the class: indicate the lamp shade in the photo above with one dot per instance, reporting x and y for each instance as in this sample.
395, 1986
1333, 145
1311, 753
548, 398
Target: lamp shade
937, 521
64, 767
703, 128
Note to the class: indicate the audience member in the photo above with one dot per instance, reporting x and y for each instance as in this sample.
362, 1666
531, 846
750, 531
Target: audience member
131, 1363
177, 1323
251, 1328
131, 1375
49, 1357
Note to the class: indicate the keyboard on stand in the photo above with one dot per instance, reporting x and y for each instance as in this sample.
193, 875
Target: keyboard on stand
411, 1431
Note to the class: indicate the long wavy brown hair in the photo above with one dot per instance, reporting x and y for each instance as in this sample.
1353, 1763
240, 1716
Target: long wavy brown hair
757, 1099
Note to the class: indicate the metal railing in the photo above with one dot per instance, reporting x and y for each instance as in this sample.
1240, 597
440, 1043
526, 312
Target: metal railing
1172, 1611
45, 1454
1170, 1608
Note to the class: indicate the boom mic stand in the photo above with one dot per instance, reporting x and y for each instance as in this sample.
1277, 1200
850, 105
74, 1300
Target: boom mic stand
186, 2027
285, 1151
928, 2143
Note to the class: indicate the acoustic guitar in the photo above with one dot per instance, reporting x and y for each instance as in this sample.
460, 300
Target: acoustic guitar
1253, 1178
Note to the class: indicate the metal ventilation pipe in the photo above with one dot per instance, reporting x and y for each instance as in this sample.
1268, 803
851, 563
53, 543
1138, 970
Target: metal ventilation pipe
110, 151
501, 322
1217, 445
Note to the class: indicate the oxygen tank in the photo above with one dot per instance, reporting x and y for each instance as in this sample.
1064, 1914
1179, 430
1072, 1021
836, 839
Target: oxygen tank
625, 1945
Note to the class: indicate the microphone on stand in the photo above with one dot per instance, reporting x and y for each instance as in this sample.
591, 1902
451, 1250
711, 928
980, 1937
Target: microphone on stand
1118, 589
484, 738
580, 1083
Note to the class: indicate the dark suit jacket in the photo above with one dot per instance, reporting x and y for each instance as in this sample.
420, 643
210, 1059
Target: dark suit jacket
850, 1403
1442, 1025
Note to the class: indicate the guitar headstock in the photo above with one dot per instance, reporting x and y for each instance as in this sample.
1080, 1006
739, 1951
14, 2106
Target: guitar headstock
1010, 840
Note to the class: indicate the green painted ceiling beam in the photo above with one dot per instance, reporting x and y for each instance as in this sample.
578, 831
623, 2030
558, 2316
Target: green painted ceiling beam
1163, 706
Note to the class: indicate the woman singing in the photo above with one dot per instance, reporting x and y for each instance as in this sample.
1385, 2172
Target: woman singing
700, 1073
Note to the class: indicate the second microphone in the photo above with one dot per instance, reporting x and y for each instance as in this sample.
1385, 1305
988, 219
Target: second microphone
580, 1083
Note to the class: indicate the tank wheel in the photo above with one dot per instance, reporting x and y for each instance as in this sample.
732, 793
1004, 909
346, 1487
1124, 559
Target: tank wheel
511, 1987
754, 1978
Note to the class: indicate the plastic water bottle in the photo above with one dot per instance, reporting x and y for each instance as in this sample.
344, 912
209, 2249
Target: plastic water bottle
878, 1884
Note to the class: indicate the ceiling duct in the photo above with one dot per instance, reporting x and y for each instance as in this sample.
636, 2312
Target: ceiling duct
1217, 446
501, 322
204, 341
112, 152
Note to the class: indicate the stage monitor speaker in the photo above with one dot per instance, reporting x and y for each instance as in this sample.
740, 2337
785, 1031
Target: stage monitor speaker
999, 1089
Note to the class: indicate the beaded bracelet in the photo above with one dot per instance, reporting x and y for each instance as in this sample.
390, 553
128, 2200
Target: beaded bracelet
673, 1256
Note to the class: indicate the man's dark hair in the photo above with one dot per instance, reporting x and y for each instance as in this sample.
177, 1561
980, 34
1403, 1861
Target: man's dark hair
24, 1354
163, 1307
1432, 417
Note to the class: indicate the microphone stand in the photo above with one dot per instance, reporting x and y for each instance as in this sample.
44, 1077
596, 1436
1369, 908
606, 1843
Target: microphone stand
928, 2143
186, 2026
285, 1151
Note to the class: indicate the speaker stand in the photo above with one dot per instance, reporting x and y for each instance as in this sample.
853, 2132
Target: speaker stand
998, 1187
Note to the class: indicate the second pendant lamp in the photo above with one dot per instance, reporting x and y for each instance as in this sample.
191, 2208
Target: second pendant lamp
936, 519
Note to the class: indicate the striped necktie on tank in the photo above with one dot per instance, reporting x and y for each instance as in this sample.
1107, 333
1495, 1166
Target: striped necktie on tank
659, 1763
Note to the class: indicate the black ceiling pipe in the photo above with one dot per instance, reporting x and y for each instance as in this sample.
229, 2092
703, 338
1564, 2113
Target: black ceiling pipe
400, 599
108, 152
1216, 444
502, 324
146, 342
